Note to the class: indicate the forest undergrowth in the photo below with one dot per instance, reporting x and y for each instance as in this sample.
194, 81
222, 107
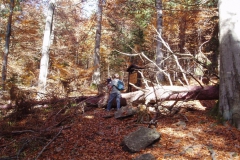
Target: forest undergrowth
57, 132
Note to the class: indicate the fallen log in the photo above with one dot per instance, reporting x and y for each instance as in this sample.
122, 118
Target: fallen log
165, 93
147, 95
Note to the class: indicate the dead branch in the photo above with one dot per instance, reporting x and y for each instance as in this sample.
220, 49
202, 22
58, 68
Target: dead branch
22, 148
195, 80
144, 79
181, 69
166, 74
184, 117
136, 87
7, 144
143, 55
56, 125
39, 154
24, 131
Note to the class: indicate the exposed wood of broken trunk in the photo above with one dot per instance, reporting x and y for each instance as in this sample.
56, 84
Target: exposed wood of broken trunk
165, 93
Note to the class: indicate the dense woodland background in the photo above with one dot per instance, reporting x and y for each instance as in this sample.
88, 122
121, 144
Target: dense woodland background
128, 35
189, 28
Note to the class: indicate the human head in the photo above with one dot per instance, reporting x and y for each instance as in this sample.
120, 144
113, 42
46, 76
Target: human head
116, 75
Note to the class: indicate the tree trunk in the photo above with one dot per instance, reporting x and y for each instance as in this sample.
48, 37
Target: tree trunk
96, 74
7, 42
45, 49
159, 53
164, 93
229, 38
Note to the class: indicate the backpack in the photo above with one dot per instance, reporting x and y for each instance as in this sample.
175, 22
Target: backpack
120, 85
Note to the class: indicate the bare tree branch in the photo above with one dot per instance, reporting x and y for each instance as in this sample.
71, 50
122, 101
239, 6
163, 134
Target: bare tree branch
39, 154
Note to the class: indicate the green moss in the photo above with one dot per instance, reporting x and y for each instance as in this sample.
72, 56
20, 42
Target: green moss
93, 86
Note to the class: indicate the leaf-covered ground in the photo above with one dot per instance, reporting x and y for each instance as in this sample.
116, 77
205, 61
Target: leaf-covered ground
66, 133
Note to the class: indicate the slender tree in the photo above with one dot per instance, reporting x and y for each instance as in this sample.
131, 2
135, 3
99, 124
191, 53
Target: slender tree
159, 53
45, 48
229, 38
96, 74
7, 42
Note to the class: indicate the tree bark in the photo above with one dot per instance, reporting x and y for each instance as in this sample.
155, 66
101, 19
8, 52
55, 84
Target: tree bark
164, 93
159, 53
42, 80
7, 43
96, 74
229, 38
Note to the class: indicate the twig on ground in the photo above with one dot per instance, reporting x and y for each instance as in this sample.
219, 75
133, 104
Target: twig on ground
61, 121
7, 144
39, 154
23, 147
184, 117
60, 110
56, 125
24, 131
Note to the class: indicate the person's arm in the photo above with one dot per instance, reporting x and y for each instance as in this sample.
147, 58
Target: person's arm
109, 87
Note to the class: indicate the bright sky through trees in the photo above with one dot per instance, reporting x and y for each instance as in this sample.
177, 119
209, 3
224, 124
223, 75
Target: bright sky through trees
89, 7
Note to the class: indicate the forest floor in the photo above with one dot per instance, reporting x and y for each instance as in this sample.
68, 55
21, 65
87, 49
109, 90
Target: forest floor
65, 133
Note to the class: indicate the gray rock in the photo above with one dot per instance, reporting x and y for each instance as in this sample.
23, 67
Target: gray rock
146, 156
140, 139
125, 112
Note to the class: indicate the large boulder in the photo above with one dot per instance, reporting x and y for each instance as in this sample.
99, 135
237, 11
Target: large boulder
140, 139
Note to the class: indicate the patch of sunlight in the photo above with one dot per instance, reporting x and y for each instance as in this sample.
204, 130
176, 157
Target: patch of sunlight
219, 141
88, 116
173, 132
180, 134
197, 130
220, 154
200, 106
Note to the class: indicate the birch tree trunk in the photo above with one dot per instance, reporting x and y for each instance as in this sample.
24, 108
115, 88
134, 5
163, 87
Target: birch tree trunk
96, 74
229, 98
7, 43
159, 53
45, 49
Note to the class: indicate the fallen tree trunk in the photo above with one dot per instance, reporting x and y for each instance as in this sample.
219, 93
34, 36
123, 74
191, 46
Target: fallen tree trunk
164, 93
147, 95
